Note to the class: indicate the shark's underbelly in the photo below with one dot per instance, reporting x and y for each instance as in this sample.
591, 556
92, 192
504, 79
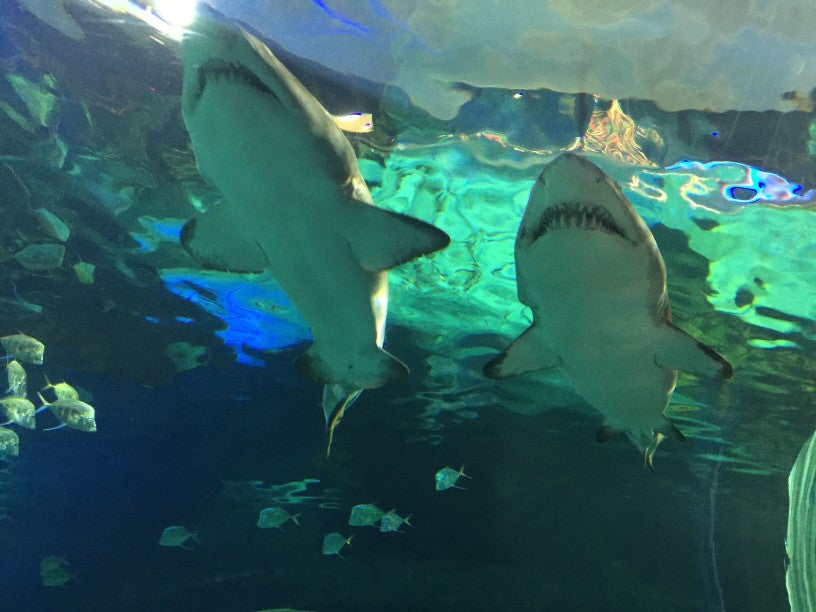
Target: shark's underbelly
274, 176
596, 305
312, 262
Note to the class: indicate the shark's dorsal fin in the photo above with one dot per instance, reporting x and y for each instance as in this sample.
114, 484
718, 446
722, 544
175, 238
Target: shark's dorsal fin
381, 239
217, 243
679, 351
525, 354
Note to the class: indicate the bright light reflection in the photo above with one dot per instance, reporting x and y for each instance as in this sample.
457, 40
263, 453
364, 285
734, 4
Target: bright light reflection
170, 17
177, 12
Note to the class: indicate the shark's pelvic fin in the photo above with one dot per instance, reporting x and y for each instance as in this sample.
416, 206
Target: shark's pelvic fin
669, 430
527, 353
376, 369
381, 239
217, 243
679, 351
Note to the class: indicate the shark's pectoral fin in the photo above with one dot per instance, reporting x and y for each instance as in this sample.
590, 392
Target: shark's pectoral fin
527, 353
679, 351
371, 371
216, 241
381, 239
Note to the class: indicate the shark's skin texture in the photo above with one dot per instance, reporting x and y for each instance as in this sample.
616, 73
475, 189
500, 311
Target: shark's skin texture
589, 269
295, 204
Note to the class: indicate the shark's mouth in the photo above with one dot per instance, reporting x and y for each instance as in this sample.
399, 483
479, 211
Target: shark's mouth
214, 70
573, 215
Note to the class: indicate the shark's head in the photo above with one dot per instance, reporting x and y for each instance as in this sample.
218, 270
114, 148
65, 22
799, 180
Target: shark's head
233, 82
573, 193
214, 49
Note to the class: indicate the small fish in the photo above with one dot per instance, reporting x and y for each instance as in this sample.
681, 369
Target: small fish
365, 515
17, 379
54, 571
62, 390
391, 522
51, 562
358, 123
9, 442
24, 348
446, 478
275, 517
178, 535
333, 543
72, 413
18, 410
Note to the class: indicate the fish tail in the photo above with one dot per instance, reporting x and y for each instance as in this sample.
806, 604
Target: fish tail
295, 517
196, 537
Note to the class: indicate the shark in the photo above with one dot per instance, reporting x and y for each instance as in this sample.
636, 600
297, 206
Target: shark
295, 205
591, 272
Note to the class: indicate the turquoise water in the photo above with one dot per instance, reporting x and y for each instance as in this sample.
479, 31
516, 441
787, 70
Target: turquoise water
203, 421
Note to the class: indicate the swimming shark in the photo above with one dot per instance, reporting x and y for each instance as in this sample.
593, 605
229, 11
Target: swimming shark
591, 272
295, 204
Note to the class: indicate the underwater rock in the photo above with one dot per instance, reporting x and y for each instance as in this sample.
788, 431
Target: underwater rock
52, 224
41, 257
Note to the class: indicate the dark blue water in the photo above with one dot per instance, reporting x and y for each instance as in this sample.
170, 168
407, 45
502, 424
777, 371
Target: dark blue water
549, 520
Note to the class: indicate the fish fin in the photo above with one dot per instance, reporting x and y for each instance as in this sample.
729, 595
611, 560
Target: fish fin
679, 351
41, 408
216, 242
377, 368
649, 451
60, 426
605, 433
527, 353
334, 417
381, 239
294, 518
